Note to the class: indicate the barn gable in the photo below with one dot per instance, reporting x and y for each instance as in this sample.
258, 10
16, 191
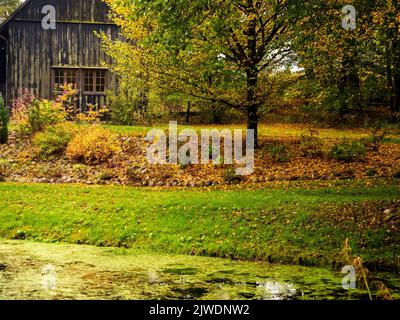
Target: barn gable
40, 60
94, 11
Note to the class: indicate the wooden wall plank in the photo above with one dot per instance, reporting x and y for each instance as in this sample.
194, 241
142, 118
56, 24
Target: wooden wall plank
33, 51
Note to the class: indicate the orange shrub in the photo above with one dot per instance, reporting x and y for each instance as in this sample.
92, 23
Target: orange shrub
93, 145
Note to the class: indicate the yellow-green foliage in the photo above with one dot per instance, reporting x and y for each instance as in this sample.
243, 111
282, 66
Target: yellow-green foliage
311, 145
92, 115
44, 113
348, 151
55, 139
93, 145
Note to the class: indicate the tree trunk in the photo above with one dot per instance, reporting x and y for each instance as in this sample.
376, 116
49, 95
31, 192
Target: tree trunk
252, 73
252, 124
187, 120
393, 68
397, 92
252, 104
215, 112
349, 84
393, 81
396, 70
144, 102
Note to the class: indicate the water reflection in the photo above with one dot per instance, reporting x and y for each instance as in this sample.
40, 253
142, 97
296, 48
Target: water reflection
271, 290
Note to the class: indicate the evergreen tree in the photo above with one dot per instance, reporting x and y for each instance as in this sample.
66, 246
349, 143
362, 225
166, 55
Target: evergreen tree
4, 118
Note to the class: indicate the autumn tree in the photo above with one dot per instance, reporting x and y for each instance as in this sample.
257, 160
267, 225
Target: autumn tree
7, 7
386, 21
353, 67
220, 51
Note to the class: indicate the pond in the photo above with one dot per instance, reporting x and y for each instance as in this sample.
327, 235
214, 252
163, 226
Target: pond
54, 271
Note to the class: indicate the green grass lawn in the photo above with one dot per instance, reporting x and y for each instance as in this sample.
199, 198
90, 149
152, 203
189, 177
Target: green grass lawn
278, 225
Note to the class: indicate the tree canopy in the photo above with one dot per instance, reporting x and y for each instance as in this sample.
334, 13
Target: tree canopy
232, 52
7, 7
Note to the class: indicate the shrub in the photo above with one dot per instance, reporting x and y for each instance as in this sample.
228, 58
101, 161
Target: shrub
4, 118
20, 107
133, 173
93, 145
55, 139
106, 175
81, 171
311, 145
347, 151
279, 153
93, 114
43, 113
68, 100
371, 172
230, 176
379, 133
5, 169
53, 171
129, 106
396, 175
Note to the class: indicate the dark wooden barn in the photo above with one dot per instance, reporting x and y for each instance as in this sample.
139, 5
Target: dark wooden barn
41, 58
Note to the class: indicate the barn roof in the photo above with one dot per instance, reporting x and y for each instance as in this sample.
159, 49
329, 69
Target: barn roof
4, 25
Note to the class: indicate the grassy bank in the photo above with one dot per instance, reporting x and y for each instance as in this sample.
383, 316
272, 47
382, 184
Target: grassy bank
290, 226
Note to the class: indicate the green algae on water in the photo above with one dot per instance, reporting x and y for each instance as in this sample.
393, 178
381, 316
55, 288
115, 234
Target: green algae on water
85, 272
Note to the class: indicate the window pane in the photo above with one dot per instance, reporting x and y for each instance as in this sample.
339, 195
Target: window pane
59, 79
94, 81
64, 77
89, 87
71, 77
100, 80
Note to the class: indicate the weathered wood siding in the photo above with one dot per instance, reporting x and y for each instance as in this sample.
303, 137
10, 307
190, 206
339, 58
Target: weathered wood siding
3, 63
67, 10
34, 51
